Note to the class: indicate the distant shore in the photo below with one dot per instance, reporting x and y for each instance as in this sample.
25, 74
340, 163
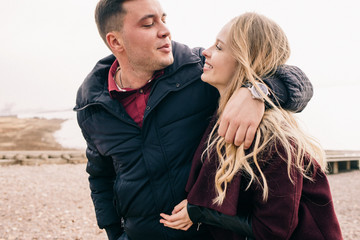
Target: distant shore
29, 134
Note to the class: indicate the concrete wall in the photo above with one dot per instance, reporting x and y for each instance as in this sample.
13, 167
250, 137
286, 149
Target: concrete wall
338, 160
41, 157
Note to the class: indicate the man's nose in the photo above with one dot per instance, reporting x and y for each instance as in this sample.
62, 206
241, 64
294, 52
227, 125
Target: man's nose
164, 31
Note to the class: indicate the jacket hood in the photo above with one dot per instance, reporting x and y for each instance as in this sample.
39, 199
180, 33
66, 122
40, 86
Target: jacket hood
94, 89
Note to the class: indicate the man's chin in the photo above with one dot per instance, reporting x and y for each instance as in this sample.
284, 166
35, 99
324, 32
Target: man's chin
167, 62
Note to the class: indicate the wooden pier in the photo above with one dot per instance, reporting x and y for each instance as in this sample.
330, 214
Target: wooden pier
342, 160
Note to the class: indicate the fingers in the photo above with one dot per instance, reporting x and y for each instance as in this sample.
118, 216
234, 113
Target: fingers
179, 207
177, 225
180, 220
240, 135
186, 227
170, 218
175, 222
235, 132
250, 135
223, 126
243, 134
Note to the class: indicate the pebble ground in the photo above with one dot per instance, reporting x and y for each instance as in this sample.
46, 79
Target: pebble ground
53, 202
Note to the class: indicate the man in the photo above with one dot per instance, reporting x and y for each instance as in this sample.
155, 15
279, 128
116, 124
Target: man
143, 111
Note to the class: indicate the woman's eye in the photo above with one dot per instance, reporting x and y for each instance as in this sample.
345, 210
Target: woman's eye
218, 47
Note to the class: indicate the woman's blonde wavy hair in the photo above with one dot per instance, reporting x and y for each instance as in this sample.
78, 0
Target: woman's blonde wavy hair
260, 46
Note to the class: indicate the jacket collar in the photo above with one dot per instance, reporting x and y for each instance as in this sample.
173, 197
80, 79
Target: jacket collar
94, 89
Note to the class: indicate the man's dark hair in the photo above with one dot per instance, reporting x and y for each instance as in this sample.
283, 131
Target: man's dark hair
108, 16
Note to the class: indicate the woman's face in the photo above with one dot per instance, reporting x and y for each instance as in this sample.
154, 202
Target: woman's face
219, 65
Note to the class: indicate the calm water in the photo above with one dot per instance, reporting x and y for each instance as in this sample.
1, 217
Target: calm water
70, 134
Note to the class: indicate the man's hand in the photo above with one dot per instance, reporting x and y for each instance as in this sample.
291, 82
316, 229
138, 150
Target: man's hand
179, 218
241, 118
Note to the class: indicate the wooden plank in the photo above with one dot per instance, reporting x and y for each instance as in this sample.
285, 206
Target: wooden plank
336, 167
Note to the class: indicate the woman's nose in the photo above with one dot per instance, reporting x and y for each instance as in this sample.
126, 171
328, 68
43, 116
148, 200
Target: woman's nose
206, 53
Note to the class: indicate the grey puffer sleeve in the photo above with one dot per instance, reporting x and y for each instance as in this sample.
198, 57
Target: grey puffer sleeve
291, 88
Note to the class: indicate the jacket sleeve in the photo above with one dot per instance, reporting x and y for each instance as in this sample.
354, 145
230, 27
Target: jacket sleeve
101, 179
239, 224
290, 87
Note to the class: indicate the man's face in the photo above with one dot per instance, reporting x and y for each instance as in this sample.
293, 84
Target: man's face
146, 39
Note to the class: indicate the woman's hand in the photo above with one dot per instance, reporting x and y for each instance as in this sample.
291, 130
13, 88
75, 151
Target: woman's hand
179, 218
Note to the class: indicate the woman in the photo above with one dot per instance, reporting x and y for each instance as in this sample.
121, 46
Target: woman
277, 189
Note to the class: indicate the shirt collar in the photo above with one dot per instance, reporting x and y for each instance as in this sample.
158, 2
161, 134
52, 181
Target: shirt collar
113, 86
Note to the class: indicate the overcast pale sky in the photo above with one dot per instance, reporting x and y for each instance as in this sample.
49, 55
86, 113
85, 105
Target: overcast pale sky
48, 47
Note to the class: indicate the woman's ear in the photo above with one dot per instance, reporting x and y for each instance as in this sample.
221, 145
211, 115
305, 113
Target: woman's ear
114, 41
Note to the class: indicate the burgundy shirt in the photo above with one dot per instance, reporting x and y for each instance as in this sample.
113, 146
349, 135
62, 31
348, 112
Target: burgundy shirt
133, 100
303, 210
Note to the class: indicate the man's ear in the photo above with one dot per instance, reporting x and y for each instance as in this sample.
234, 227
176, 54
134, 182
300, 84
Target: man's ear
114, 41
